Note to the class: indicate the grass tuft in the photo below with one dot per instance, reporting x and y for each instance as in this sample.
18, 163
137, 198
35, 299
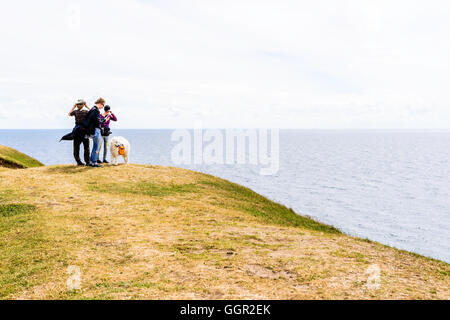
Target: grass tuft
9, 210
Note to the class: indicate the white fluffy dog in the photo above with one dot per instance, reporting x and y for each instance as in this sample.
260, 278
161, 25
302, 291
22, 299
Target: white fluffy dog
119, 147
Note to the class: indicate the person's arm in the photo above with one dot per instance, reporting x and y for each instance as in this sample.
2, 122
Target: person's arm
113, 117
88, 120
106, 116
87, 107
100, 119
71, 110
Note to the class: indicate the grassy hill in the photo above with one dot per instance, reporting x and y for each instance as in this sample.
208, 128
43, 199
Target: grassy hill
150, 232
11, 158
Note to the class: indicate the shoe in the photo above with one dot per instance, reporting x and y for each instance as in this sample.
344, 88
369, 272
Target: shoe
80, 163
96, 165
98, 161
104, 161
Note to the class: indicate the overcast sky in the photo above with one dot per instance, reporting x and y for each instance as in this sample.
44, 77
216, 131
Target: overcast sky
286, 64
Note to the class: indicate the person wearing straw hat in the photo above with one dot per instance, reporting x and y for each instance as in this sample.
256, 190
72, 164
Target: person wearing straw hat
80, 115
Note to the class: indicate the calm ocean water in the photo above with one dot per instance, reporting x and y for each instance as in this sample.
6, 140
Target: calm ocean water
388, 186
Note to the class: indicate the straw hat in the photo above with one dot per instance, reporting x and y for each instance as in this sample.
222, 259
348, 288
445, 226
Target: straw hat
80, 102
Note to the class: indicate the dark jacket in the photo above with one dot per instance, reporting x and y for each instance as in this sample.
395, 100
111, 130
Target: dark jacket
92, 121
79, 131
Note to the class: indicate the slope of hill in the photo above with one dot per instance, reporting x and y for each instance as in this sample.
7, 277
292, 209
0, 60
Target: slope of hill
150, 232
11, 158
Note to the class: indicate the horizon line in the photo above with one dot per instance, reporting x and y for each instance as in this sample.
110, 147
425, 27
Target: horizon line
247, 128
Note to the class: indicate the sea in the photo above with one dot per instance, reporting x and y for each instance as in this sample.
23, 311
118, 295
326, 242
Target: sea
390, 186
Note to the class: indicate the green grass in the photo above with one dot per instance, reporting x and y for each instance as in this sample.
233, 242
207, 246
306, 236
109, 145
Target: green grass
9, 210
24, 250
29, 254
144, 188
259, 206
11, 158
243, 199
164, 222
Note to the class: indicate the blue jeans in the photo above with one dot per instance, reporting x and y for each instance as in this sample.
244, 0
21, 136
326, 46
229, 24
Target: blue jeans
95, 148
104, 142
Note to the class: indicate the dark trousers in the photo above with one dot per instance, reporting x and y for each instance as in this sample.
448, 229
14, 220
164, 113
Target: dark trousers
76, 150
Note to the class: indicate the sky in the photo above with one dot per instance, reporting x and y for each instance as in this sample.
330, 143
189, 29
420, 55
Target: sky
325, 64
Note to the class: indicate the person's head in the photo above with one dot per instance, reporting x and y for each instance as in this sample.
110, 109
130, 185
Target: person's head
107, 108
100, 103
80, 104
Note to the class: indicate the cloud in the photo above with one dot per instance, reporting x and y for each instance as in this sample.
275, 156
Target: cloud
297, 64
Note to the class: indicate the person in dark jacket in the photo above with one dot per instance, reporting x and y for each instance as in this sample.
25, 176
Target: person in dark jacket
80, 115
92, 125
